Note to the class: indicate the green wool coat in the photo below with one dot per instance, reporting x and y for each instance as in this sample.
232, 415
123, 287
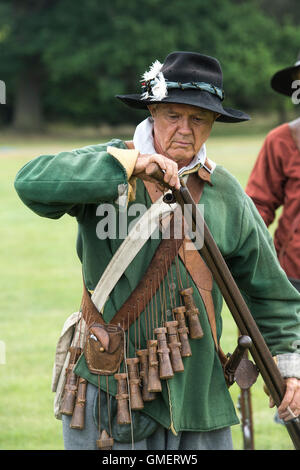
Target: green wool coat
79, 181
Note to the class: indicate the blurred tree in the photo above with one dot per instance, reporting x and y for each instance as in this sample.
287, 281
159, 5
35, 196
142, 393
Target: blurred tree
282, 11
21, 47
68, 59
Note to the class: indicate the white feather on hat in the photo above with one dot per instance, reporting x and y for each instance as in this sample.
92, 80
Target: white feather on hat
158, 87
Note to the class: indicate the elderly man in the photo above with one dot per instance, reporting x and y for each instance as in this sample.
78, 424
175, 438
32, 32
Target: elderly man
187, 405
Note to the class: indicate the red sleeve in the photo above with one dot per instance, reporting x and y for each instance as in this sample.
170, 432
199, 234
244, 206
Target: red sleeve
266, 182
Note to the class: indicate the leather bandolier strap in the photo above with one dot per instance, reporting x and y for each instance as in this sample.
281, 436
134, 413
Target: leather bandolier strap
144, 291
192, 259
159, 267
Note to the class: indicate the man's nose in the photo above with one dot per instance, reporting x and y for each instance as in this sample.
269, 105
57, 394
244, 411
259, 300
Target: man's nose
185, 127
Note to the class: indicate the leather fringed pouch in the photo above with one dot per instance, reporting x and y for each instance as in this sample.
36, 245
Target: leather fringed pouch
104, 348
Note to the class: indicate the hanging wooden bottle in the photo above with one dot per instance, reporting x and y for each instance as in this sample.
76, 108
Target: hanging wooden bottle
154, 383
179, 313
192, 312
144, 374
105, 442
174, 346
165, 366
70, 390
195, 328
123, 414
136, 400
79, 409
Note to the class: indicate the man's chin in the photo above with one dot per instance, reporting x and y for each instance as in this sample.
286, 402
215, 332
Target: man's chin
181, 157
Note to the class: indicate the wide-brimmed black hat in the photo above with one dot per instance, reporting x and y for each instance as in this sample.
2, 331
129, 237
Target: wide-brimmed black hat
283, 79
185, 78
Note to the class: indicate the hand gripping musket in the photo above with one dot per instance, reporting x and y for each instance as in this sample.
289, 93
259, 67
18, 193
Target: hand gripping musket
235, 302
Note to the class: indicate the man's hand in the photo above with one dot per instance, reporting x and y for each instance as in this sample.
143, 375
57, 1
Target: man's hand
146, 164
290, 406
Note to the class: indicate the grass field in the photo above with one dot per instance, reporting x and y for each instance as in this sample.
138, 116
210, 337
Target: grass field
41, 286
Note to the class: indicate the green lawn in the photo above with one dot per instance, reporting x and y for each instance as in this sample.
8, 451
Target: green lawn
41, 286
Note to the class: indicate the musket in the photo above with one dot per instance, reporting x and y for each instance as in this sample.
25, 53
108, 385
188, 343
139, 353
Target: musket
233, 298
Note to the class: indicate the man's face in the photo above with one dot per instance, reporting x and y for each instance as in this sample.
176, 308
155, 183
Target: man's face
180, 130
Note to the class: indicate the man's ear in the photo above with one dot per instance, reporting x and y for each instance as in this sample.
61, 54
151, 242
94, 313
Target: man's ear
152, 109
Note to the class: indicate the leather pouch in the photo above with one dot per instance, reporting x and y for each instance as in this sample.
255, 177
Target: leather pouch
104, 348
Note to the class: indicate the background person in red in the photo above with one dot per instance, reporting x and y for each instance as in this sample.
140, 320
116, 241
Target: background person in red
275, 178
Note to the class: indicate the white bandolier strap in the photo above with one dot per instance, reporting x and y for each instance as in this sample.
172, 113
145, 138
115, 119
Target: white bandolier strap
132, 244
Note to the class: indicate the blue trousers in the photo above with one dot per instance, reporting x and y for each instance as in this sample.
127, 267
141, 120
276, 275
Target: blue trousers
161, 439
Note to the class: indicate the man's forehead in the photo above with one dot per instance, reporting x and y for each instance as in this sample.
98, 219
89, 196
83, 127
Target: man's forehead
183, 108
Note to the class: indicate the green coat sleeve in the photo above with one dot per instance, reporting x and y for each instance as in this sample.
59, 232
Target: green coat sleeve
52, 185
272, 300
